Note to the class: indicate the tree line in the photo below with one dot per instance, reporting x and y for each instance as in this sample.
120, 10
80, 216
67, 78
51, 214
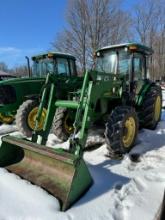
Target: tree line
92, 24
19, 71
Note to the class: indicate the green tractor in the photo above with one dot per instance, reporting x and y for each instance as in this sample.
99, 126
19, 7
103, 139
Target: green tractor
129, 62
116, 93
19, 97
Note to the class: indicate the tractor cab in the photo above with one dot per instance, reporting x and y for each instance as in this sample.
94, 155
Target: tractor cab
126, 59
52, 62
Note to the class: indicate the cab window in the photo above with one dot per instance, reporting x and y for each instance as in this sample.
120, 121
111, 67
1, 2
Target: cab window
72, 68
107, 62
62, 66
42, 67
124, 63
139, 66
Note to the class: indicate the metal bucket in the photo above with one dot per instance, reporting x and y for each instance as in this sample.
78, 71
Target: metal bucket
59, 172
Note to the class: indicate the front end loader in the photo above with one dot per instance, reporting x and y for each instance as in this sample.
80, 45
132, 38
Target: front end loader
114, 93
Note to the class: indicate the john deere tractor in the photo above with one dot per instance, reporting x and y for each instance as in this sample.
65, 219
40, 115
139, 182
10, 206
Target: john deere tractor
135, 102
20, 97
116, 93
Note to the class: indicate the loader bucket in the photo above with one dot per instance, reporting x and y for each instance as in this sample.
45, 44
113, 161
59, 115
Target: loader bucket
59, 172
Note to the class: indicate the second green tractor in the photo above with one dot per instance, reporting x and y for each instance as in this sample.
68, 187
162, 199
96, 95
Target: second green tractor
20, 97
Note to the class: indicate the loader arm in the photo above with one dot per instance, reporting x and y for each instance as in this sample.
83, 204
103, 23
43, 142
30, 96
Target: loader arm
93, 89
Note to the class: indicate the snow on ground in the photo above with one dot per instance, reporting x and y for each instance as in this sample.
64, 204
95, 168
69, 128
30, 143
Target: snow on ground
122, 190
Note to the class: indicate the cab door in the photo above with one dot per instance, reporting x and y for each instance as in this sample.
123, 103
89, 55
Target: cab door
139, 71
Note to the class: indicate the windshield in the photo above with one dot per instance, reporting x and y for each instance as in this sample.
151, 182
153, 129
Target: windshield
107, 62
43, 67
114, 62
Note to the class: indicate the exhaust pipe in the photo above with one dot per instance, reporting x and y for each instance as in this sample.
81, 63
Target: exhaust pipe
28, 65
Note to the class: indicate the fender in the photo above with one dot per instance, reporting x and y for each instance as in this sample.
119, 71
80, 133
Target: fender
145, 88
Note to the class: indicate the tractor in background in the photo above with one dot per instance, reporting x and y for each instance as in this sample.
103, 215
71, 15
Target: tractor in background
19, 97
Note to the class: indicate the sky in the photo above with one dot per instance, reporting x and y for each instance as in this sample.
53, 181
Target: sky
27, 27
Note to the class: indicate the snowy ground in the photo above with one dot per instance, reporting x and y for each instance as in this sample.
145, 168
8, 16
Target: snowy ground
122, 190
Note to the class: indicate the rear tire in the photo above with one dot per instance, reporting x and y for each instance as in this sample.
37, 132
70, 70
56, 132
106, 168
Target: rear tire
151, 108
62, 124
25, 117
121, 130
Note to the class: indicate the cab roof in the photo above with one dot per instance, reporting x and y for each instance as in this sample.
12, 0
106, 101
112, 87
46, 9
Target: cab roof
131, 46
52, 54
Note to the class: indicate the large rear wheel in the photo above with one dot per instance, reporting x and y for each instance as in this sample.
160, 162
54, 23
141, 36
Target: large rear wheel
151, 108
26, 117
121, 130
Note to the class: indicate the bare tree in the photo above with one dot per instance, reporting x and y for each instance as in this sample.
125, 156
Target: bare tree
108, 24
160, 43
74, 39
98, 24
146, 20
20, 71
149, 22
91, 25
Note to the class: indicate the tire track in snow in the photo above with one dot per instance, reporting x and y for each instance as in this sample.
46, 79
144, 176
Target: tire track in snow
122, 203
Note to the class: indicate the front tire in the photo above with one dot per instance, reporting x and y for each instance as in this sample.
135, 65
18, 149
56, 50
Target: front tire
26, 117
63, 123
121, 130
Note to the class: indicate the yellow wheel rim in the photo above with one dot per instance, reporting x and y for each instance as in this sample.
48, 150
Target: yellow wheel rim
129, 132
157, 109
68, 126
7, 119
32, 119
